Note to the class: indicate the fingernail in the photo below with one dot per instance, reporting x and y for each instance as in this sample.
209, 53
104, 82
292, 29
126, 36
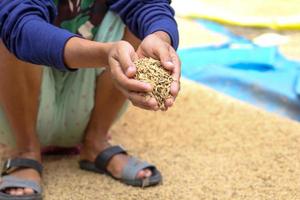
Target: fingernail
169, 63
148, 87
131, 69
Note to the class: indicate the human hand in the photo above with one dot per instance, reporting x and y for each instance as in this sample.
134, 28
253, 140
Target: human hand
120, 58
157, 45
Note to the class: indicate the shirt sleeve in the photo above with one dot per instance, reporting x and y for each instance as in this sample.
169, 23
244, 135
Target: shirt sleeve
27, 32
144, 17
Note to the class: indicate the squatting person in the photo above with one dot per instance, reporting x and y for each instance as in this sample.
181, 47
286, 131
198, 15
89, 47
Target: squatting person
88, 47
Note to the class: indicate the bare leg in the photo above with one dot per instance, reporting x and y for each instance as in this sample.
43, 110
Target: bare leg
108, 102
19, 91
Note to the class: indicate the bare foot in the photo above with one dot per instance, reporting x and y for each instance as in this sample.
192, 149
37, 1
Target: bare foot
116, 164
27, 174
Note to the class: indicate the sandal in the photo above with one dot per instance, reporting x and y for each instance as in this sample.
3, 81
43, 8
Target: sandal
10, 181
129, 172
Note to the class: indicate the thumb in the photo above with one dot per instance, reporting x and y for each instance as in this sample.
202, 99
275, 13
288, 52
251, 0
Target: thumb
165, 58
131, 70
127, 56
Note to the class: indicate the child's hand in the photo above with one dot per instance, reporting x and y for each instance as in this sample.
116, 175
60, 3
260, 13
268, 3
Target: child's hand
120, 58
157, 45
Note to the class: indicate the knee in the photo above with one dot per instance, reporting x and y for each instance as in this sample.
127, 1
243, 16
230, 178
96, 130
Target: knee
13, 69
16, 76
9, 62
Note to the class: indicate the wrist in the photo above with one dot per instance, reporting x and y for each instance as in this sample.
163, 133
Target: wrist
81, 53
105, 48
103, 51
163, 36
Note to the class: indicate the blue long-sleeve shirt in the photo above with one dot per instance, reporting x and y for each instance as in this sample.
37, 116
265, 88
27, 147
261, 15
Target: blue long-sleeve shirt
27, 30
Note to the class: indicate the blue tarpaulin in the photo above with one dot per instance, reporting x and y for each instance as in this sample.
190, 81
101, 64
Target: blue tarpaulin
258, 75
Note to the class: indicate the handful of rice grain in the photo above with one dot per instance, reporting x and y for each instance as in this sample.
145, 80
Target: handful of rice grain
151, 71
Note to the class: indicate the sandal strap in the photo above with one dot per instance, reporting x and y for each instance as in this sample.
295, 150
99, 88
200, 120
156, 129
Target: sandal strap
133, 167
12, 164
15, 182
105, 156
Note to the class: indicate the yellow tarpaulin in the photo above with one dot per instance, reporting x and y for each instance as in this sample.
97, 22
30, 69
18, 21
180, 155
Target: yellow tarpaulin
193, 34
275, 14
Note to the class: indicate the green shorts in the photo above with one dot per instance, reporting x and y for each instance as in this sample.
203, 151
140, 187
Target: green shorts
67, 98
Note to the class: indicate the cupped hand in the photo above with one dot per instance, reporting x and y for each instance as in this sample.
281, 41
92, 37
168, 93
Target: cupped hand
157, 45
120, 58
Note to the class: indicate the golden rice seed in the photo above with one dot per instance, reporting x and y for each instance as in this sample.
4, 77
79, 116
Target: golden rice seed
151, 71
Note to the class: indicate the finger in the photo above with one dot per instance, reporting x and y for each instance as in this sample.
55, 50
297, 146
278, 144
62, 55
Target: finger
175, 88
142, 101
165, 58
177, 65
131, 70
141, 54
169, 102
137, 104
142, 107
176, 74
126, 58
145, 104
127, 83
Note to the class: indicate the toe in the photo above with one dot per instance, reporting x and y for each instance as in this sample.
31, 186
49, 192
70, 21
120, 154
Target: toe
12, 191
28, 191
141, 174
19, 191
148, 173
144, 174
